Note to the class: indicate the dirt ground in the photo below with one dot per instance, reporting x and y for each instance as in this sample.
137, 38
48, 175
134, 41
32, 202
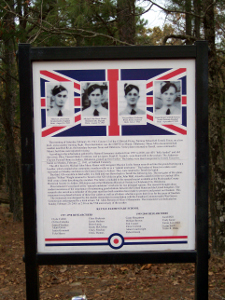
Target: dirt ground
117, 282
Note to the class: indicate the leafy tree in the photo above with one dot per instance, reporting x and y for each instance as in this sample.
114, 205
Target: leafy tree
156, 35
51, 23
7, 108
196, 20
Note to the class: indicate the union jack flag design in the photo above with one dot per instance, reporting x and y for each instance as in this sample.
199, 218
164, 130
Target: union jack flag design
113, 76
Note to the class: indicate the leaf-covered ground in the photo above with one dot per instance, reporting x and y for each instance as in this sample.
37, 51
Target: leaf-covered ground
117, 282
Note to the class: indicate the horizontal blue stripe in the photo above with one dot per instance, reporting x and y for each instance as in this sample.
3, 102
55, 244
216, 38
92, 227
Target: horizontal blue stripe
83, 131
84, 75
106, 244
141, 74
76, 244
148, 129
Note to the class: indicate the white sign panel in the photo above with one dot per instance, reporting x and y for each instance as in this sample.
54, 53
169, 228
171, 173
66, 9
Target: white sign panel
115, 155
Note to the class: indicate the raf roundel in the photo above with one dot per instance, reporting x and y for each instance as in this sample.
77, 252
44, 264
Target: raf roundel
116, 241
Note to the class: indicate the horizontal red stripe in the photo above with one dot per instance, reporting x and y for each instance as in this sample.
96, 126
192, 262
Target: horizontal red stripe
184, 99
42, 102
53, 76
77, 118
149, 100
150, 117
156, 237
51, 130
76, 101
76, 239
172, 74
175, 128
127, 238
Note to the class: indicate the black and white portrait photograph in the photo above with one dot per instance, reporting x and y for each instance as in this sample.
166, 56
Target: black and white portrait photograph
132, 102
95, 103
59, 99
94, 99
167, 98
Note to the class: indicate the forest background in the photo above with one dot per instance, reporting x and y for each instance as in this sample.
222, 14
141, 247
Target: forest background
112, 22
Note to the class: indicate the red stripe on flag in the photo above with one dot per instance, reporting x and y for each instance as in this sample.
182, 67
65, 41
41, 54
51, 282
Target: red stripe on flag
76, 86
77, 118
113, 77
127, 238
184, 100
150, 117
172, 74
51, 130
76, 101
42, 102
53, 76
156, 237
76, 239
150, 84
177, 129
149, 100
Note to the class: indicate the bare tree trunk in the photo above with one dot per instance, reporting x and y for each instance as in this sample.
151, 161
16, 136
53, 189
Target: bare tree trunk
188, 20
197, 10
126, 20
8, 104
217, 158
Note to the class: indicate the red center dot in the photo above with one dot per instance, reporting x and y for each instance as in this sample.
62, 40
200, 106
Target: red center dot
116, 241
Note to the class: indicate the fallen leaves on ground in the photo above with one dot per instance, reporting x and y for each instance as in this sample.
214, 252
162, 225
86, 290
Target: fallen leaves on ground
111, 282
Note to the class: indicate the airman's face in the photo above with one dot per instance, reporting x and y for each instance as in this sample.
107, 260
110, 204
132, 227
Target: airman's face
132, 97
60, 98
95, 97
169, 96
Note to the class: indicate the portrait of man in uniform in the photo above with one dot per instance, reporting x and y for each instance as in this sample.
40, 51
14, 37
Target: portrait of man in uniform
167, 101
94, 93
57, 103
131, 94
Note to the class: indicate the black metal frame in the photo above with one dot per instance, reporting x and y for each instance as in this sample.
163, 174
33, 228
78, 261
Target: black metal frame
27, 55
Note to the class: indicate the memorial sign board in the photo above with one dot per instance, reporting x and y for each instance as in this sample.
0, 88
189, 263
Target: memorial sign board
114, 157
117, 181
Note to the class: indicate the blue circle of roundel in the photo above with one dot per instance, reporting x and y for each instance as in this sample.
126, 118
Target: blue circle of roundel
116, 241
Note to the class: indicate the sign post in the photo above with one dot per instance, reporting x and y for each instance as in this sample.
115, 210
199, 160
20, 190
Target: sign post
114, 146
